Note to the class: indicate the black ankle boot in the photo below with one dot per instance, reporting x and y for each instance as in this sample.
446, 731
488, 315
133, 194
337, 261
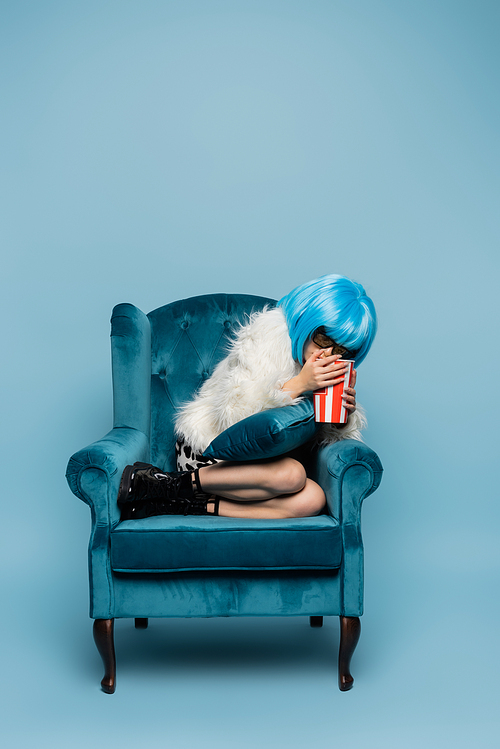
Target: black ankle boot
137, 481
146, 490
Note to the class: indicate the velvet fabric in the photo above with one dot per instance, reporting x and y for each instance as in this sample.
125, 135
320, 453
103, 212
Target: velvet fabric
212, 543
267, 434
188, 340
308, 566
226, 593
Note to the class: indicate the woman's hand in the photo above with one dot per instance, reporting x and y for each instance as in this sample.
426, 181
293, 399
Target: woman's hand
319, 371
350, 394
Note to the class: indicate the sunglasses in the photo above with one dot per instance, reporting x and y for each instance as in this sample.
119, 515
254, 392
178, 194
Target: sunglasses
321, 339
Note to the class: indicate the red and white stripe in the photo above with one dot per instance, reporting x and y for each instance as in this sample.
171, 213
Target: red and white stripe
329, 406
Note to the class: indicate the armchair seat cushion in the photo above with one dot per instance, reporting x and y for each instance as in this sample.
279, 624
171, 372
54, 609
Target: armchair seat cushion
169, 543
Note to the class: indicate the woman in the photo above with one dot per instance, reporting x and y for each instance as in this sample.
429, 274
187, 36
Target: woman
280, 355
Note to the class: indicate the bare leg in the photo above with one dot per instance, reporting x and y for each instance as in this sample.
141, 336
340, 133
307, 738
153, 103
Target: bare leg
272, 489
253, 481
309, 501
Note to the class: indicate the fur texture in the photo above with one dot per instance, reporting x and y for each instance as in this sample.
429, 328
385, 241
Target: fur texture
249, 380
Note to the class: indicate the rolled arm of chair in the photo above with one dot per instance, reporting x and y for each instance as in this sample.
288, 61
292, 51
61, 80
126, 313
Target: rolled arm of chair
348, 471
94, 473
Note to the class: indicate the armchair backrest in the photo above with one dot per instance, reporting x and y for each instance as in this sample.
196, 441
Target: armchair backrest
188, 339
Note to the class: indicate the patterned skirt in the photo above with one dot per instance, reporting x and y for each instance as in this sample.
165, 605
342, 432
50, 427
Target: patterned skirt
188, 460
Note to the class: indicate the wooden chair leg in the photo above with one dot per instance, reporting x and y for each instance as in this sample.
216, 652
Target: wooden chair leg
141, 623
104, 640
316, 621
350, 629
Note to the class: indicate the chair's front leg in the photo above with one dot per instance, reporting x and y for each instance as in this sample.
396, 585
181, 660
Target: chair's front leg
350, 629
104, 639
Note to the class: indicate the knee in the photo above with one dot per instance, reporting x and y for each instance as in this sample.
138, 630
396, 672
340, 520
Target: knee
290, 476
311, 501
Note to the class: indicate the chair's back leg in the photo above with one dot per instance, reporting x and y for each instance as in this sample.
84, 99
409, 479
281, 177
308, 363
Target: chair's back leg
104, 639
350, 629
316, 621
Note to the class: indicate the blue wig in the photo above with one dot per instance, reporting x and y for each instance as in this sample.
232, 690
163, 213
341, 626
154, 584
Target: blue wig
335, 303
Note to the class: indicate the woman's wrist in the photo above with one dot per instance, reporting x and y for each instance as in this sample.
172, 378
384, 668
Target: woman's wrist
295, 387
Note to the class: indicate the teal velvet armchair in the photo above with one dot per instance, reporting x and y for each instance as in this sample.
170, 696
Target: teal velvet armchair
176, 566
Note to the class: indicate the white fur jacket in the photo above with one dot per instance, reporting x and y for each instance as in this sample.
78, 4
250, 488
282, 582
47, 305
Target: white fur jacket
249, 380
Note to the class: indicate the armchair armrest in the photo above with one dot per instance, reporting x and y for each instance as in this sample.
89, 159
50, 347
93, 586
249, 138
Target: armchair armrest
348, 471
94, 473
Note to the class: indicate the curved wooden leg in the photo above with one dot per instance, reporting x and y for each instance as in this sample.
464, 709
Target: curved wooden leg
103, 638
141, 623
316, 621
350, 629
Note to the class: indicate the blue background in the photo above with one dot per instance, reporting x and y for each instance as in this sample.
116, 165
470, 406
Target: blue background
157, 150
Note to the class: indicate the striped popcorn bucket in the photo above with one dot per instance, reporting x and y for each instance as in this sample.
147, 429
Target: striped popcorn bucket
328, 403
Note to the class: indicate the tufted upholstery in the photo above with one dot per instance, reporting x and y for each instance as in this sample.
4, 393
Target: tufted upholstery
188, 340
